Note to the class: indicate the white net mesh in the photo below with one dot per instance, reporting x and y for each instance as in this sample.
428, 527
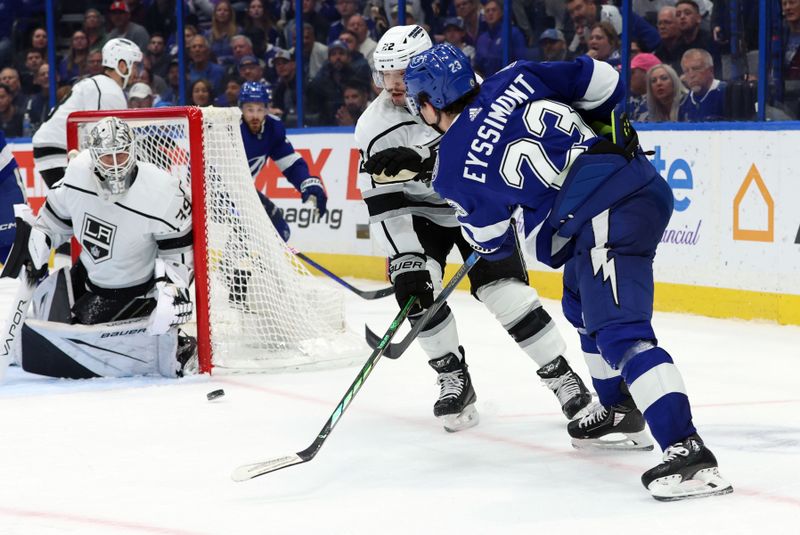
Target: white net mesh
266, 311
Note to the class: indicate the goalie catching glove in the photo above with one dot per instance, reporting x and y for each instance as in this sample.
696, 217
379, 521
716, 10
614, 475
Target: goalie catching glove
31, 248
410, 277
173, 301
312, 187
401, 164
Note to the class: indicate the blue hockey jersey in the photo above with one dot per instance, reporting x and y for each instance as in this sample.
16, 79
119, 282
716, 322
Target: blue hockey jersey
11, 193
515, 145
271, 142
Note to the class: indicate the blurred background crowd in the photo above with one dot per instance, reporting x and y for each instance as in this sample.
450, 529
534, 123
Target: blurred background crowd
689, 60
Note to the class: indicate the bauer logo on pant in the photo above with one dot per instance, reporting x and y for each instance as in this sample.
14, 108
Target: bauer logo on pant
97, 237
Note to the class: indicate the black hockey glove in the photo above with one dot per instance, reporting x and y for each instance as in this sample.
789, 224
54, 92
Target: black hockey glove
388, 164
410, 277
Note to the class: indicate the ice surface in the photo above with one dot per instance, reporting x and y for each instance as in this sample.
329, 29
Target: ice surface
153, 456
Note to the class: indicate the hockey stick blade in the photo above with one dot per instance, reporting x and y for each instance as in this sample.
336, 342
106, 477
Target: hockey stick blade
250, 471
364, 294
393, 351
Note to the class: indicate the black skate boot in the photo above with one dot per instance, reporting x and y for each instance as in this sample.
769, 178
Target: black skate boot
186, 354
456, 403
567, 386
618, 427
689, 470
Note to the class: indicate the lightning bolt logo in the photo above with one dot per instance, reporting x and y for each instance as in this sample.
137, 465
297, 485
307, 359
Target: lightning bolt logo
599, 253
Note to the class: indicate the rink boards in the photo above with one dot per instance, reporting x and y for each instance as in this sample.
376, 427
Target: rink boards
732, 248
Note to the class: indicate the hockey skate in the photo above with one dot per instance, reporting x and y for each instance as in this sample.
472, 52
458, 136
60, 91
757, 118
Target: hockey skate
618, 427
186, 355
689, 470
567, 386
456, 403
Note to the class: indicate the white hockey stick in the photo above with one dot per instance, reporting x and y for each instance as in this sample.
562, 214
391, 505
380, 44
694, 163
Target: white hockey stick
13, 324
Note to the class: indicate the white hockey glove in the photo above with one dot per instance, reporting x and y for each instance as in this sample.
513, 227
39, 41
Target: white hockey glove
173, 301
31, 248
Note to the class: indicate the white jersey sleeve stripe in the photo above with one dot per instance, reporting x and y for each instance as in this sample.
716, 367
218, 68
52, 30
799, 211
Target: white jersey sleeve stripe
287, 161
601, 86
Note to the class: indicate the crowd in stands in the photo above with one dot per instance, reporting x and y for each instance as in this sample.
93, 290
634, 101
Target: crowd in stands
690, 60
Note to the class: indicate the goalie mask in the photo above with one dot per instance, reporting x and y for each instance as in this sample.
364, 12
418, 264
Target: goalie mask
112, 148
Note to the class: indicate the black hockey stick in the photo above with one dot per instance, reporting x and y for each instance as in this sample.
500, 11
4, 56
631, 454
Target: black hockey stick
250, 471
395, 350
372, 294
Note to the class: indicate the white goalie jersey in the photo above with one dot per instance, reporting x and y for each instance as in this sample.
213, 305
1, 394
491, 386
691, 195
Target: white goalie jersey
120, 236
392, 206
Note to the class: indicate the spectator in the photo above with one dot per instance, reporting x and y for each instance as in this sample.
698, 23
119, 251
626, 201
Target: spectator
346, 9
366, 45
7, 15
357, 61
201, 65
415, 13
9, 77
259, 27
140, 96
455, 34
223, 27
33, 60
315, 54
170, 94
10, 115
284, 96
201, 93
552, 45
73, 65
93, 27
230, 96
356, 100
312, 16
669, 51
604, 44
410, 18
649, 9
189, 31
138, 12
665, 93
489, 48
241, 46
251, 69
39, 41
326, 90
469, 11
161, 18
94, 62
157, 54
706, 100
39, 104
692, 35
637, 103
585, 14
120, 16
378, 17
791, 39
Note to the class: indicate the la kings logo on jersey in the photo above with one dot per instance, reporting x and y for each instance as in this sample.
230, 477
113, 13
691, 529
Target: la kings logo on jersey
97, 237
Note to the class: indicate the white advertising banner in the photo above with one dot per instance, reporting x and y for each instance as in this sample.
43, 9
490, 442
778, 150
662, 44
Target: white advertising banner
736, 222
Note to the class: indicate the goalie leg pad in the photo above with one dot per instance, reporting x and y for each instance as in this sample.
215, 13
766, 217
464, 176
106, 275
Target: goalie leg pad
118, 349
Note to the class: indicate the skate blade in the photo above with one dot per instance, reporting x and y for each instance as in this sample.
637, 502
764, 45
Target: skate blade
703, 484
467, 418
616, 441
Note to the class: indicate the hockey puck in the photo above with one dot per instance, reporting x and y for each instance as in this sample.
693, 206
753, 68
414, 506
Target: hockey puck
215, 394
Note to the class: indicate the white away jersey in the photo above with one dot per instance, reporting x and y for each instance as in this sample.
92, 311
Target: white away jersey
98, 92
120, 236
391, 206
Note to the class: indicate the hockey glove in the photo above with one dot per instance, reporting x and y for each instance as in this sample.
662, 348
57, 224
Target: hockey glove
173, 301
401, 164
410, 277
312, 187
31, 248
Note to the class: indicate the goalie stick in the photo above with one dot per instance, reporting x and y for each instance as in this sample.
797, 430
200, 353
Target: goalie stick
394, 351
250, 471
372, 294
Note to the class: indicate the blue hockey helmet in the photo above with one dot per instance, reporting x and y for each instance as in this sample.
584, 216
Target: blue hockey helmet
255, 92
443, 73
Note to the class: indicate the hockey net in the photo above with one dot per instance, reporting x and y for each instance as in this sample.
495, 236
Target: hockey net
257, 307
